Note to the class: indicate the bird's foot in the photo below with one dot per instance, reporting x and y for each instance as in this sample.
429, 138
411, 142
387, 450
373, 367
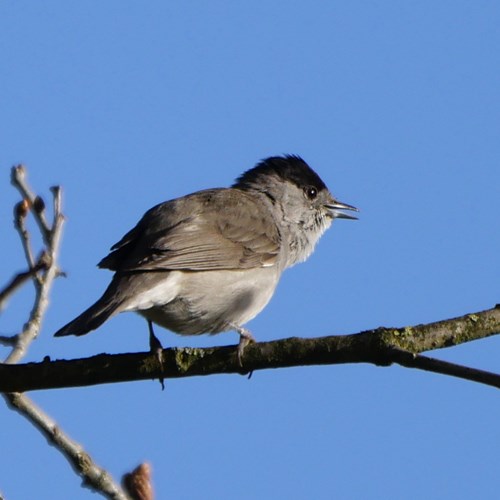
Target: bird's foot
245, 338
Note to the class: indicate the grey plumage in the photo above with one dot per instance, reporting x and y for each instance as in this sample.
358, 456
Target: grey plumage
210, 261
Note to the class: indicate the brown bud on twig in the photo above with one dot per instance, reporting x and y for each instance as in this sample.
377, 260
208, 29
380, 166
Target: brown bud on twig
21, 210
39, 205
138, 483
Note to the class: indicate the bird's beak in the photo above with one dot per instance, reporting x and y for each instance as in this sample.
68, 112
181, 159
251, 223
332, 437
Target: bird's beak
335, 206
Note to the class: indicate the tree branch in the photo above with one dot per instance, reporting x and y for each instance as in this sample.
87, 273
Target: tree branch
94, 477
48, 259
381, 347
43, 274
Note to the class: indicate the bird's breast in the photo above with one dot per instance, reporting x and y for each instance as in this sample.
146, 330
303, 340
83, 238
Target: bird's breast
212, 301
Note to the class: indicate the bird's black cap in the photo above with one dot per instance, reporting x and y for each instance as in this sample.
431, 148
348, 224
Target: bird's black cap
291, 168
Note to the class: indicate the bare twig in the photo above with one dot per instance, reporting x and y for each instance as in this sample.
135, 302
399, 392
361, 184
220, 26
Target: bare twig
8, 340
21, 210
49, 260
93, 476
18, 179
409, 360
18, 280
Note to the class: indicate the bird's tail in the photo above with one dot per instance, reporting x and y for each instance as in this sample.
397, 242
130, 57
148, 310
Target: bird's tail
106, 307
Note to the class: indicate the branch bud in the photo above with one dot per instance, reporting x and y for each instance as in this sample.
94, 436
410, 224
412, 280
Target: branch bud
21, 210
138, 483
39, 205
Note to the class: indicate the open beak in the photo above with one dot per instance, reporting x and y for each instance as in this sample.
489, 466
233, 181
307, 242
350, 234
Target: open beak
335, 208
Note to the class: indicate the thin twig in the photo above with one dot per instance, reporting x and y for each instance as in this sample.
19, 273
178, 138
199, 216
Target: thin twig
409, 360
8, 340
20, 225
18, 179
18, 280
93, 476
32, 327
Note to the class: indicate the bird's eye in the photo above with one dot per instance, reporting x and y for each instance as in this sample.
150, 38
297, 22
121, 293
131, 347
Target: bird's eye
311, 192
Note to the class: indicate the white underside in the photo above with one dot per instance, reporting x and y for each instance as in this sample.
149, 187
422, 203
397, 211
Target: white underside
206, 301
158, 295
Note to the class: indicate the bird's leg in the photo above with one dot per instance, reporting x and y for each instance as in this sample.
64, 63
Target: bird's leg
156, 348
245, 338
154, 343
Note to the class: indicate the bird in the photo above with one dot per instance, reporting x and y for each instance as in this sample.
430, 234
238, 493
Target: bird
210, 261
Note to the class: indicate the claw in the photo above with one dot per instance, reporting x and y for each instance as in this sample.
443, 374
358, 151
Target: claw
245, 338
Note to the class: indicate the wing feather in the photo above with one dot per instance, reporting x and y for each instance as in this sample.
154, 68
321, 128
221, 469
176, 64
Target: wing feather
208, 230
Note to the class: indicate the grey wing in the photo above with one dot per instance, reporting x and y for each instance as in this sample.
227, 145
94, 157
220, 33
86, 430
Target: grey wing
208, 230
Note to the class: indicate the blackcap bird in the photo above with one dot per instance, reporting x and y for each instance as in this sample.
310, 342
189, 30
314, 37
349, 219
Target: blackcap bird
210, 261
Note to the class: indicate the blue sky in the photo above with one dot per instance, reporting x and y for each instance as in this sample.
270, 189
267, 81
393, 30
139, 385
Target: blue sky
395, 104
